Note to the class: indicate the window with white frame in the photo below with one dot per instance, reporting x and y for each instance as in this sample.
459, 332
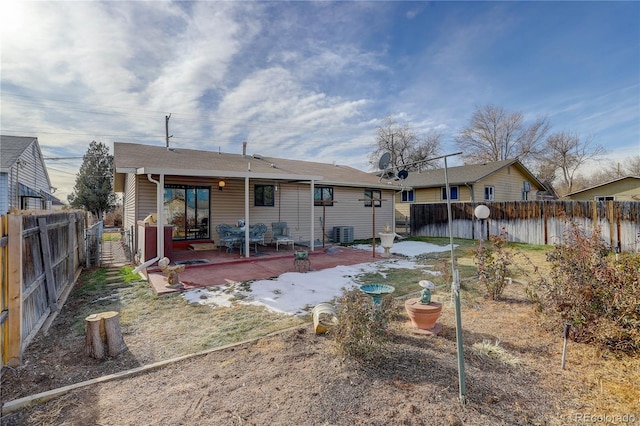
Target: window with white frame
489, 193
407, 196
453, 190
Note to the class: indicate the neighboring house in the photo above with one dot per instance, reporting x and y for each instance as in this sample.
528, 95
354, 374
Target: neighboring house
57, 205
24, 181
506, 180
623, 189
202, 189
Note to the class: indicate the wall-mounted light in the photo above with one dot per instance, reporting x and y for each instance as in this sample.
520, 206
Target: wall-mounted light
221, 185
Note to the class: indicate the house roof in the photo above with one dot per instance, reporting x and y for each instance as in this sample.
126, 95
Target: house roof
11, 147
144, 159
605, 184
467, 174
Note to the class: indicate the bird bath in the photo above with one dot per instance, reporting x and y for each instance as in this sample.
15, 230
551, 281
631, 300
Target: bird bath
376, 291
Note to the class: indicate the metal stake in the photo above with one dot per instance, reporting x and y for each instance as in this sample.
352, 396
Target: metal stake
564, 349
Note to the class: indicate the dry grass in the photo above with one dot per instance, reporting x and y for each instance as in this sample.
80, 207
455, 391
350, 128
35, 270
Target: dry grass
493, 350
503, 341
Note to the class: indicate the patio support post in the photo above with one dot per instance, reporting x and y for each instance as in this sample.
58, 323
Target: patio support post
246, 215
312, 242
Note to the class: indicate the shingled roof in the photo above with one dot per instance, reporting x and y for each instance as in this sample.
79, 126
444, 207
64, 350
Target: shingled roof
11, 147
142, 159
460, 175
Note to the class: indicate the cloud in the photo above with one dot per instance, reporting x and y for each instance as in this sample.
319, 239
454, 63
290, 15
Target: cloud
303, 79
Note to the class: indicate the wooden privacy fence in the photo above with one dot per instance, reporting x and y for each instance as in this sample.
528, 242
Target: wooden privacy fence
41, 257
533, 222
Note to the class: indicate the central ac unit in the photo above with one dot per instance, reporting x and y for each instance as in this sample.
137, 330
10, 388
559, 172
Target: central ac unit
343, 234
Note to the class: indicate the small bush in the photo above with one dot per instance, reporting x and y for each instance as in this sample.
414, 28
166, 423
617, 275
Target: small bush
361, 332
589, 288
493, 259
495, 351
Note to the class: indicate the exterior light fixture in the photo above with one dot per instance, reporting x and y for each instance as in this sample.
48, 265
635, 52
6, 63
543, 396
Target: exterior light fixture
482, 213
221, 185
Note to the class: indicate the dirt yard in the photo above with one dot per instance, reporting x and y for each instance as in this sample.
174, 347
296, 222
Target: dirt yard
512, 370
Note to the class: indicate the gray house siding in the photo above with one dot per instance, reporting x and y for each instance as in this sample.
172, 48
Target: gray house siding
24, 167
129, 202
4, 193
292, 204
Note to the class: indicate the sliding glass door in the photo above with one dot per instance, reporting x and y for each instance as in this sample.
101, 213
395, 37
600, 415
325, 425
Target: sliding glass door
187, 210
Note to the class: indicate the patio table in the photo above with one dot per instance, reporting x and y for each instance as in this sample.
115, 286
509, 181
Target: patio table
237, 237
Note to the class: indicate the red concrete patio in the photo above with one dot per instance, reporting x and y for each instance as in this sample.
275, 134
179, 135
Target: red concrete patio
212, 266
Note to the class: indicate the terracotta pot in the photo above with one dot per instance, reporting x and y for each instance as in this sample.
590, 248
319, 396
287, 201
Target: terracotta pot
424, 316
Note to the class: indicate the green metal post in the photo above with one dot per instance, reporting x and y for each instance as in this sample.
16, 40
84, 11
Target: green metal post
455, 288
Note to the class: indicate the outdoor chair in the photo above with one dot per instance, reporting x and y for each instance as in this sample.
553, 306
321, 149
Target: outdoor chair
256, 234
281, 235
227, 238
203, 229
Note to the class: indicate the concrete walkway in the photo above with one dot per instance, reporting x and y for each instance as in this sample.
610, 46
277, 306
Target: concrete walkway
113, 255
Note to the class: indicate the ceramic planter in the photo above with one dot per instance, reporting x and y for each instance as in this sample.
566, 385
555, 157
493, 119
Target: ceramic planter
386, 241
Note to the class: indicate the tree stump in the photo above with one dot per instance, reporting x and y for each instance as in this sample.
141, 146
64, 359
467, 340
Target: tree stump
102, 331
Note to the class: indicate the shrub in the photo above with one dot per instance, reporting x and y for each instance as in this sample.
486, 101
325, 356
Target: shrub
593, 290
361, 332
493, 259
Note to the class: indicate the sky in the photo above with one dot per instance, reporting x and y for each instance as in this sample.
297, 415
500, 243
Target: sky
310, 80
292, 293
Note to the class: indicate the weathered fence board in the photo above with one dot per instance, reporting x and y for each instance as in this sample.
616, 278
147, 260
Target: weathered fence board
4, 287
534, 222
44, 251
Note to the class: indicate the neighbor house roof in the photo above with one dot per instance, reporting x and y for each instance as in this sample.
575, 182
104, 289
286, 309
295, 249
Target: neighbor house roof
144, 159
467, 174
11, 147
605, 184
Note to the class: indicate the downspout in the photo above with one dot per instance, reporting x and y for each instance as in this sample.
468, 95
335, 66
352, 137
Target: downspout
393, 207
473, 217
473, 195
159, 226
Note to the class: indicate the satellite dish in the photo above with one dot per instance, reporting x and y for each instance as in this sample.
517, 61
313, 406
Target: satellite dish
384, 161
403, 174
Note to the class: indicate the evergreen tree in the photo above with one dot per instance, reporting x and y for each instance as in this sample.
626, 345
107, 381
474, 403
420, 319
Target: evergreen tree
93, 190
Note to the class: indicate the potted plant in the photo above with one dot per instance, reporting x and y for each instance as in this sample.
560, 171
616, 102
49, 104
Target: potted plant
423, 312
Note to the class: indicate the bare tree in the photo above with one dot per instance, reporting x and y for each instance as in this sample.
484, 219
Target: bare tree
566, 153
494, 134
631, 166
408, 149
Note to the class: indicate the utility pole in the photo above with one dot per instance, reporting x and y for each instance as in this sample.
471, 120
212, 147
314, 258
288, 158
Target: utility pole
166, 127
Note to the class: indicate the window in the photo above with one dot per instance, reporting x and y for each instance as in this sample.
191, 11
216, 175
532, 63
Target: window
605, 198
322, 193
489, 193
407, 196
453, 190
263, 195
372, 194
